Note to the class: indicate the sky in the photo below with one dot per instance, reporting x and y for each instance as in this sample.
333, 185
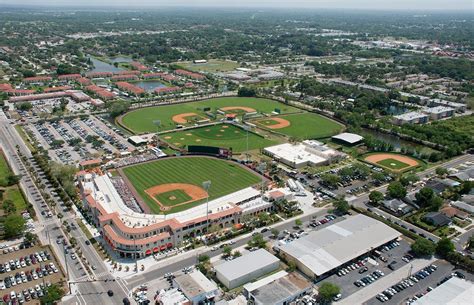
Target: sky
353, 4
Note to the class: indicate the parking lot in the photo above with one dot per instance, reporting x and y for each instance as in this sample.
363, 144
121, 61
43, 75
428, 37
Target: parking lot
419, 286
25, 273
367, 266
71, 141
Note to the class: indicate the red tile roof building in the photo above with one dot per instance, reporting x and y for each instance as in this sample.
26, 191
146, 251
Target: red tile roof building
138, 66
99, 74
76, 95
166, 89
69, 76
189, 74
130, 88
124, 77
37, 79
84, 81
5, 87
100, 92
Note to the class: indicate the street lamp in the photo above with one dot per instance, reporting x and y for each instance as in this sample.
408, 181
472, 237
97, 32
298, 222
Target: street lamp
206, 185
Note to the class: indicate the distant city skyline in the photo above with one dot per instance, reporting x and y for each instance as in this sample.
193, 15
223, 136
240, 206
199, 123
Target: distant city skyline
334, 4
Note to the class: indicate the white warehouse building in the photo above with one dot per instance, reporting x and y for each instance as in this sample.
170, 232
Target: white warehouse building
246, 268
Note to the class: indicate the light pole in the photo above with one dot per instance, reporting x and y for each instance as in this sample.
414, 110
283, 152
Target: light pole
135, 254
206, 185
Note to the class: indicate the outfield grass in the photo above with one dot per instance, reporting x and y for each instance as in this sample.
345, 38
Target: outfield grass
141, 120
4, 170
179, 197
226, 177
393, 164
213, 65
307, 126
221, 135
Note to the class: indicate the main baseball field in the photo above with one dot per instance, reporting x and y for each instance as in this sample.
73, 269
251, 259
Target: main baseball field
265, 114
175, 184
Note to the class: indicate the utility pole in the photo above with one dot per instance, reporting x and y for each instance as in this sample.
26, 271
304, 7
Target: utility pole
67, 267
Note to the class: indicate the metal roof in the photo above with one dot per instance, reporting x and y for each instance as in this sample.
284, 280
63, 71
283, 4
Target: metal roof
246, 264
455, 291
326, 249
348, 137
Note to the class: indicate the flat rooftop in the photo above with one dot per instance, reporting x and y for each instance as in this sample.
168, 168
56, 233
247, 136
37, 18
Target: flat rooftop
455, 291
246, 264
410, 115
296, 153
194, 284
278, 288
326, 249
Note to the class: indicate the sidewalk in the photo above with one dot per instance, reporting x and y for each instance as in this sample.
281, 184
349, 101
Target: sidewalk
366, 293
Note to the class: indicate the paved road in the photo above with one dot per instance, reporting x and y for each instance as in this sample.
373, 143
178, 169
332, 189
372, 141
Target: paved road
49, 228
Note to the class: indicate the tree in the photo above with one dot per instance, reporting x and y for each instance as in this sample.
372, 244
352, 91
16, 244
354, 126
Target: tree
441, 171
118, 108
13, 226
257, 241
436, 203
30, 238
53, 294
424, 196
406, 180
298, 222
264, 218
396, 190
246, 92
341, 205
327, 291
330, 180
423, 247
226, 251
444, 247
203, 258
375, 198
24, 106
275, 232
236, 253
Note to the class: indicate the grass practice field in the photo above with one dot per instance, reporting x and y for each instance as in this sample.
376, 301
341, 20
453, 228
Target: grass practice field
226, 177
221, 135
304, 125
393, 162
142, 120
212, 65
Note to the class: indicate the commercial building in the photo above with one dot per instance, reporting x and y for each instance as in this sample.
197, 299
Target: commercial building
280, 288
197, 287
246, 268
320, 252
413, 117
348, 138
454, 291
439, 112
306, 153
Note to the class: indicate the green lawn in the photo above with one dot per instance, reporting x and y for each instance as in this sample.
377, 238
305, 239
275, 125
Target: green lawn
141, 120
4, 170
393, 164
14, 194
221, 135
213, 65
172, 198
307, 126
226, 177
